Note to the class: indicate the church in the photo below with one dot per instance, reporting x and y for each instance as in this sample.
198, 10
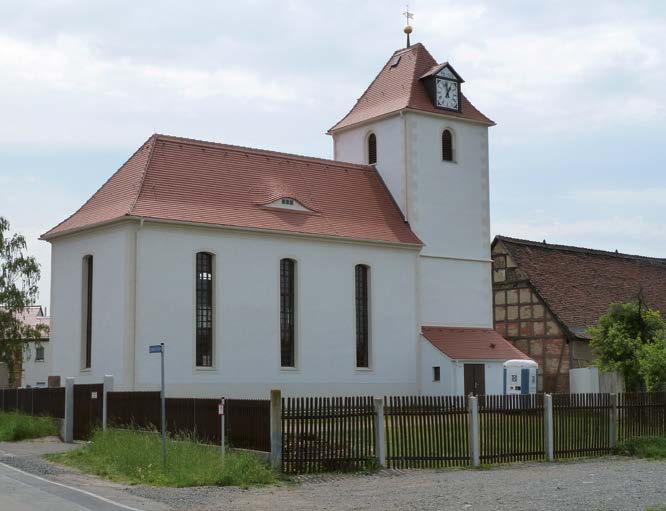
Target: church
367, 274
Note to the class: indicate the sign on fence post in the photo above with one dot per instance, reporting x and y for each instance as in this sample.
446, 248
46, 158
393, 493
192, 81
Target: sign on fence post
220, 411
474, 453
276, 428
159, 348
548, 426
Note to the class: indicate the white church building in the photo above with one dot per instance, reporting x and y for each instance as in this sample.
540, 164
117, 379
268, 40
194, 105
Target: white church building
365, 274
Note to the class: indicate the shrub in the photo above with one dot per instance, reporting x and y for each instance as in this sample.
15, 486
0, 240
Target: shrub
17, 426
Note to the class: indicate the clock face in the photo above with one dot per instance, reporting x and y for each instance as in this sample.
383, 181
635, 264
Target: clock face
447, 94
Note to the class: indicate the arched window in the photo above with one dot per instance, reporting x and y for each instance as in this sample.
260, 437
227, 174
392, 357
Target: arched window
362, 314
87, 311
447, 145
287, 312
372, 149
204, 309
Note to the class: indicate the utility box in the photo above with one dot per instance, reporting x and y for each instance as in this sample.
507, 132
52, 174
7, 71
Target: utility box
520, 377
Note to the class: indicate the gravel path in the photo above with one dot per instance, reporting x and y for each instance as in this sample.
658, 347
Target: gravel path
607, 484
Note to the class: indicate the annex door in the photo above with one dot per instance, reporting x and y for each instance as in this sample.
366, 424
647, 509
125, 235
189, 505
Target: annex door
475, 379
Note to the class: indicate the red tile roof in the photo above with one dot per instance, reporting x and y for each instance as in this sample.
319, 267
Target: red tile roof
399, 87
578, 284
471, 343
171, 178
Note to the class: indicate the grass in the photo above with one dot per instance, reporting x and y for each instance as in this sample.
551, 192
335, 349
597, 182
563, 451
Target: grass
16, 426
135, 457
649, 447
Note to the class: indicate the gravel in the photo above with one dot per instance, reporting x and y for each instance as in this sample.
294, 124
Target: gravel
608, 484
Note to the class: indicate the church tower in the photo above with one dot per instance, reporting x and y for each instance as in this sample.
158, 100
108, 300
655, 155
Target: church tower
430, 146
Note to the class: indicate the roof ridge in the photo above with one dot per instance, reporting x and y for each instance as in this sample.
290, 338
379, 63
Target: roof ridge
572, 248
101, 188
153, 141
267, 152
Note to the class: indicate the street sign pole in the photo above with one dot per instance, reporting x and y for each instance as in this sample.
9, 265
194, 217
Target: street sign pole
221, 413
159, 348
163, 410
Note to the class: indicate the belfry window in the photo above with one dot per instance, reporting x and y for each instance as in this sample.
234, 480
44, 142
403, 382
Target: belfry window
372, 149
447, 145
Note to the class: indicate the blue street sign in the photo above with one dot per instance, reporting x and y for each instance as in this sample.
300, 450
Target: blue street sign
156, 348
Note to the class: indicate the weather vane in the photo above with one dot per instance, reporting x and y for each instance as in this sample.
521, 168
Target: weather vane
408, 28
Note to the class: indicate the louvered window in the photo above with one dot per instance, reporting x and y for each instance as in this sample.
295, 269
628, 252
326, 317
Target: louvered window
204, 309
372, 149
447, 145
287, 312
362, 325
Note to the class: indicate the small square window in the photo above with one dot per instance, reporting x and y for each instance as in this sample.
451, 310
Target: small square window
435, 373
288, 202
39, 354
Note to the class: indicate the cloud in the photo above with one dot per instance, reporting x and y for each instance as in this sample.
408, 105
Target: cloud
622, 197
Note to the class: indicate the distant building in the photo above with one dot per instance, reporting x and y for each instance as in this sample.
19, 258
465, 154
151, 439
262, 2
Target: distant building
365, 274
546, 296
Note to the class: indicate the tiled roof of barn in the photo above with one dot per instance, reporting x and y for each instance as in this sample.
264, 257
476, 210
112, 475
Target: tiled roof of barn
397, 87
177, 179
578, 284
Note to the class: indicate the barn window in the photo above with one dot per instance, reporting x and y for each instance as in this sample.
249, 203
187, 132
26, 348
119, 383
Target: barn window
372, 149
87, 310
204, 309
39, 354
287, 312
447, 145
362, 324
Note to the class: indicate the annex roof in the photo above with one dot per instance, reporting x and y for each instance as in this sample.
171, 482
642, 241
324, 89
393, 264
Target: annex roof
460, 343
399, 86
177, 179
578, 284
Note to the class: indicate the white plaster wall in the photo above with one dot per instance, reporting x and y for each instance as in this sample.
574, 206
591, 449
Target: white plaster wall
35, 372
110, 248
246, 330
351, 146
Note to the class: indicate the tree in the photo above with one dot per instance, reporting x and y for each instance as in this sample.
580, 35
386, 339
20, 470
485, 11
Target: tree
19, 275
652, 363
625, 340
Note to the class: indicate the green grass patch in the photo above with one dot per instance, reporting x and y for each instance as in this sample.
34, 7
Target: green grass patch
649, 447
17, 426
135, 457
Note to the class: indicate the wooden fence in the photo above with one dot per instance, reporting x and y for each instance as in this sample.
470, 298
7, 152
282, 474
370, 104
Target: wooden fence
426, 431
581, 425
322, 434
641, 414
34, 401
511, 428
247, 422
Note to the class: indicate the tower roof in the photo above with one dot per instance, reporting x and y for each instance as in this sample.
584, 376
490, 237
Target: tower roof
399, 86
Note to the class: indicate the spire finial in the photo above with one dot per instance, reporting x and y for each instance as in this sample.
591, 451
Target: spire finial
408, 28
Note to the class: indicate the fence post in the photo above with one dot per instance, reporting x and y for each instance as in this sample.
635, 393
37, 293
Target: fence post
548, 426
612, 423
276, 428
108, 387
474, 453
380, 444
69, 410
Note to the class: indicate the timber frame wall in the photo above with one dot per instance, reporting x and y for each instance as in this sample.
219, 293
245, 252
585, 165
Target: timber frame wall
523, 318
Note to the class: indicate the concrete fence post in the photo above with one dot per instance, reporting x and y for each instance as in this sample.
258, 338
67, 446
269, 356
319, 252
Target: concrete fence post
276, 428
380, 443
548, 426
69, 410
612, 422
108, 387
474, 444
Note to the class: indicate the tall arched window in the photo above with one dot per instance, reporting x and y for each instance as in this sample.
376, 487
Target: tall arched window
362, 313
372, 149
447, 145
204, 310
287, 312
87, 311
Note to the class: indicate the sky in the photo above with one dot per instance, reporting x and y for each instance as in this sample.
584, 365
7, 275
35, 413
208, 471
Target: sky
578, 91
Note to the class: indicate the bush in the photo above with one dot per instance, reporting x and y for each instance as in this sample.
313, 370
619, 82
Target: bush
16, 426
650, 447
136, 457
